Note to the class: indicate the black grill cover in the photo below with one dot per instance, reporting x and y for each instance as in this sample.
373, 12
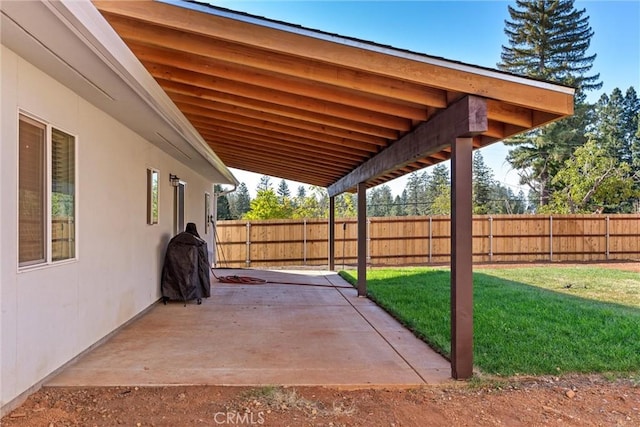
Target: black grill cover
185, 274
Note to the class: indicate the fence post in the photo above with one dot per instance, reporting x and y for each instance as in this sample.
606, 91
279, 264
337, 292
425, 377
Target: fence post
430, 239
550, 238
248, 261
607, 236
368, 240
490, 238
304, 243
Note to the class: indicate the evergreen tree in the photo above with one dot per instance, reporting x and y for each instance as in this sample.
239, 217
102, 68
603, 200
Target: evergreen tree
264, 184
521, 203
631, 125
223, 206
439, 184
399, 203
283, 191
379, 201
301, 193
615, 122
415, 192
483, 186
239, 201
549, 39
609, 126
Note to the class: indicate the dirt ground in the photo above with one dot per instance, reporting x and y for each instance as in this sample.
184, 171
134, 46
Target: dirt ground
566, 401
575, 400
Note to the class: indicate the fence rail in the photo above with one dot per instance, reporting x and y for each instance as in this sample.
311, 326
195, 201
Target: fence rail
423, 240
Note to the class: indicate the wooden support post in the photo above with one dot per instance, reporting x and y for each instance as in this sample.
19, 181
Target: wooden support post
461, 260
362, 239
332, 233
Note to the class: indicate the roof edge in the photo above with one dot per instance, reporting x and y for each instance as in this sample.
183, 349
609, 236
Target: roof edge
365, 45
83, 18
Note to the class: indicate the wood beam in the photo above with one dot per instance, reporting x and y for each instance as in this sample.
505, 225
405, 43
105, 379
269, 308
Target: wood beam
509, 113
286, 160
433, 72
467, 117
332, 234
157, 30
304, 87
275, 130
461, 259
349, 151
202, 81
362, 239
284, 111
213, 107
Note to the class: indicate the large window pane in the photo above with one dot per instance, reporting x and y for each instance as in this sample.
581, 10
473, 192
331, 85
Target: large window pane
63, 201
31, 192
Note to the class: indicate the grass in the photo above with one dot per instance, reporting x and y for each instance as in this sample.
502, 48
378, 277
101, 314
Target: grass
529, 323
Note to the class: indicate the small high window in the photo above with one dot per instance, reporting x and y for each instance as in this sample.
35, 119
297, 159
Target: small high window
152, 196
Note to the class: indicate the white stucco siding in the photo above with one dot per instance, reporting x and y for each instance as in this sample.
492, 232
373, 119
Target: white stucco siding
52, 313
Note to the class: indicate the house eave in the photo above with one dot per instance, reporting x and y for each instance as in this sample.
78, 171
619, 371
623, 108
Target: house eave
71, 41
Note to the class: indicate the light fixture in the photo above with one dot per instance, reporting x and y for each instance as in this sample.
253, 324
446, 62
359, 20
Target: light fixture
175, 181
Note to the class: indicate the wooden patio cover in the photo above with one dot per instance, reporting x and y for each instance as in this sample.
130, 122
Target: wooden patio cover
336, 112
308, 106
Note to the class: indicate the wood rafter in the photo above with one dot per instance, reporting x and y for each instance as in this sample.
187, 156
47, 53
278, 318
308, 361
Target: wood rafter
309, 106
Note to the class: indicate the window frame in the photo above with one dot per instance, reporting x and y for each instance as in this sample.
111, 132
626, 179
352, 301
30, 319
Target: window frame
150, 196
48, 194
207, 211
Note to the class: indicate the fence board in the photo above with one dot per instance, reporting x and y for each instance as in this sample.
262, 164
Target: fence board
426, 240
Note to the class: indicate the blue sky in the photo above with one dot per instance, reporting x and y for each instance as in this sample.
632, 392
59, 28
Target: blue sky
467, 31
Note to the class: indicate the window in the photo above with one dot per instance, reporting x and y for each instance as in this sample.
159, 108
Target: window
152, 196
207, 211
46, 193
179, 207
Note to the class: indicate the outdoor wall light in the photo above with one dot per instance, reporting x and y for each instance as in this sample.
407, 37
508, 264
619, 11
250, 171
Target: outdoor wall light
175, 181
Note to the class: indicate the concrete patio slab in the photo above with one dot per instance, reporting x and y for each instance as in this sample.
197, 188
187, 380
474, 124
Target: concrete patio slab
300, 328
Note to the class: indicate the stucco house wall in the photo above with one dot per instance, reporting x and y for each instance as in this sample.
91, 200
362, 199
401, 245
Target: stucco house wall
51, 313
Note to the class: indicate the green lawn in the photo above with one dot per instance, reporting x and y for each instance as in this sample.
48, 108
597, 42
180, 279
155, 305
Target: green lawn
527, 321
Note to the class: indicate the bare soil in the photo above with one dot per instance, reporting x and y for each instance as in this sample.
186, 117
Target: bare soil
566, 401
574, 400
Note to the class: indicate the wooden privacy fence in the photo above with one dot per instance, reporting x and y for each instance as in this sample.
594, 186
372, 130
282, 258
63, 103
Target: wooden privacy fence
420, 240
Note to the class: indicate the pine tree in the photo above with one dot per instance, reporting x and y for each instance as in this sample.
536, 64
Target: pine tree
223, 205
415, 193
398, 208
239, 201
483, 185
615, 119
283, 191
631, 125
549, 39
609, 126
438, 187
301, 193
264, 184
379, 201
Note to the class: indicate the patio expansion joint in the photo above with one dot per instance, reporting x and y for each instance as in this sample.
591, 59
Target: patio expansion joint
384, 338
